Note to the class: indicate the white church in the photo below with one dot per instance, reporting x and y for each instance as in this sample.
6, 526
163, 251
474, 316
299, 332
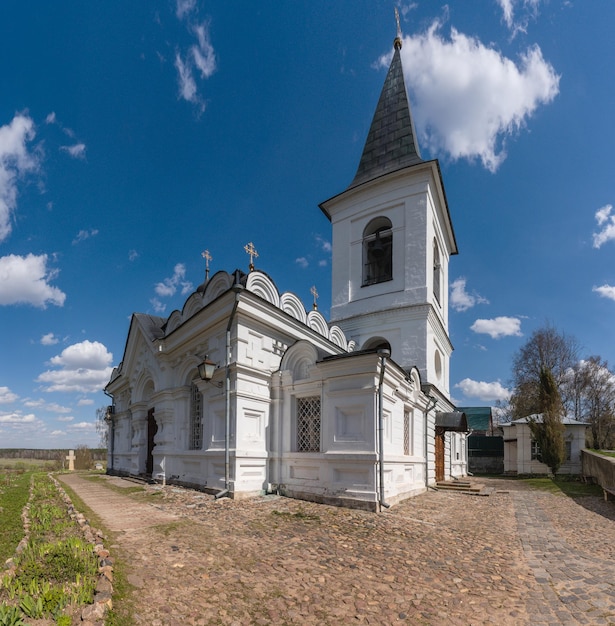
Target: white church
244, 392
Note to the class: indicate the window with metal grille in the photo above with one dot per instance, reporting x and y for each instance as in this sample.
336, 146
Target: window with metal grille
407, 433
377, 251
536, 454
196, 418
308, 424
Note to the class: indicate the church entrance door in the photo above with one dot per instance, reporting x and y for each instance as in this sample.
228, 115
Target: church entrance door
439, 455
152, 429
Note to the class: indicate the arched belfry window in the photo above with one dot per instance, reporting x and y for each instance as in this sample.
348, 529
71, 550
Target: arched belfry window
437, 271
377, 251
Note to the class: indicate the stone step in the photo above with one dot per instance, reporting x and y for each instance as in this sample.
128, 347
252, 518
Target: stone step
459, 485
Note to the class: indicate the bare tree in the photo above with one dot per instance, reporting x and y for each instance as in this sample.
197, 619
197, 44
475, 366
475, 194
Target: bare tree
102, 425
83, 457
546, 349
593, 385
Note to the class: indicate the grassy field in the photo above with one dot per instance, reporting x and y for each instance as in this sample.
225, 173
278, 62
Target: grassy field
55, 573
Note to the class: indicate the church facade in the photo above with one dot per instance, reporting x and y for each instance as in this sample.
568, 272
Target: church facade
245, 392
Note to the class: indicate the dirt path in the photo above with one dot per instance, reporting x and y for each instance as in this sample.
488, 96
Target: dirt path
440, 558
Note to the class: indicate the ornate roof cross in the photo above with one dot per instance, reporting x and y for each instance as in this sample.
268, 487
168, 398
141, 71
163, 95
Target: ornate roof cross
251, 250
315, 294
397, 42
205, 254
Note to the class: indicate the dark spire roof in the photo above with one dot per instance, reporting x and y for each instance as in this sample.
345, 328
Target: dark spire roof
391, 142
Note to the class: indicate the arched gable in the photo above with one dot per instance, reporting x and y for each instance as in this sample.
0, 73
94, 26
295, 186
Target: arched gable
261, 285
318, 323
174, 321
298, 359
192, 305
375, 343
337, 337
290, 303
217, 285
144, 387
414, 378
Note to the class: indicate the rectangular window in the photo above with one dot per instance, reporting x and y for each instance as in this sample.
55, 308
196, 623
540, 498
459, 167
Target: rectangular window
407, 438
308, 424
568, 450
536, 456
196, 418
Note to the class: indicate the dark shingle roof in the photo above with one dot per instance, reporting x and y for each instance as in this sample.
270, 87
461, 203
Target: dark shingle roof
391, 142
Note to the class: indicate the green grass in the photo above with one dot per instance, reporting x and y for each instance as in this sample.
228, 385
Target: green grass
14, 493
564, 487
605, 452
56, 572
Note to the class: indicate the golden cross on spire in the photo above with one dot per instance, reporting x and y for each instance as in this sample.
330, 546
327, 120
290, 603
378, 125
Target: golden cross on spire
205, 254
251, 250
315, 294
397, 42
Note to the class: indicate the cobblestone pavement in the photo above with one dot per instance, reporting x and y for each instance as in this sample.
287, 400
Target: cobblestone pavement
516, 557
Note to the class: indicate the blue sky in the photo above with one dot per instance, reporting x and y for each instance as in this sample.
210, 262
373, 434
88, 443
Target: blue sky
133, 136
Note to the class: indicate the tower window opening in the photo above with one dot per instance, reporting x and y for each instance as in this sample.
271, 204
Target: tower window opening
377, 252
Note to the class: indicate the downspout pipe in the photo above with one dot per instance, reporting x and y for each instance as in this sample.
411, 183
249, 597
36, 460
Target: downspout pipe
111, 440
237, 289
430, 406
383, 354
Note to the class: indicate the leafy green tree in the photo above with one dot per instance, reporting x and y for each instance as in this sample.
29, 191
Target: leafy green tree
549, 432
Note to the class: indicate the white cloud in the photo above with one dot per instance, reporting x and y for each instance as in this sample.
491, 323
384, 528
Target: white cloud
498, 327
49, 340
25, 280
45, 406
486, 392
77, 151
159, 307
16, 417
82, 235
184, 7
51, 118
68, 418
84, 367
85, 402
324, 244
606, 291
82, 426
133, 255
203, 53
15, 162
200, 56
302, 262
7, 396
168, 287
468, 97
518, 13
460, 299
185, 79
607, 221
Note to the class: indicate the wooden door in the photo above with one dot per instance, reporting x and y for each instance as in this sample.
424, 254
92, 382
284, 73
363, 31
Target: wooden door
152, 429
439, 455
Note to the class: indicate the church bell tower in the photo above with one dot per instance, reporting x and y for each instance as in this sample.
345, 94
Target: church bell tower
392, 241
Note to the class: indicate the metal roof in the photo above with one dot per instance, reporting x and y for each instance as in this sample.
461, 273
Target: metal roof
391, 142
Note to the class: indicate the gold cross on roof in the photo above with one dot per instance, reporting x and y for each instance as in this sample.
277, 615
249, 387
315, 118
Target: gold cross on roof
251, 250
205, 254
397, 42
315, 294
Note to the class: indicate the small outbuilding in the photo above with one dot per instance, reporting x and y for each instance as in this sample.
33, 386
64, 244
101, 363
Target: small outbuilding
522, 453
